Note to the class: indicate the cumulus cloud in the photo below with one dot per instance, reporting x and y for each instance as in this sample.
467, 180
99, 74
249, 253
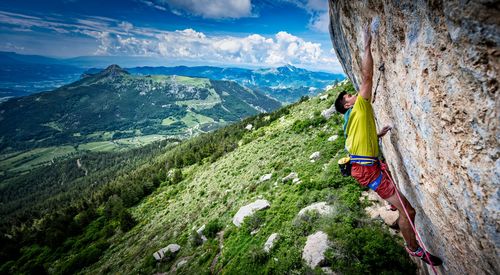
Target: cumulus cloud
114, 37
126, 26
320, 22
318, 10
215, 9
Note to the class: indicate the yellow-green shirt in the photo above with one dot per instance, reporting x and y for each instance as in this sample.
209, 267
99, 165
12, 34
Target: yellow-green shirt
361, 131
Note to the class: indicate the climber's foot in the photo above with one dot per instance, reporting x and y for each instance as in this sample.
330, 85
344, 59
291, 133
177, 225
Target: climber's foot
422, 255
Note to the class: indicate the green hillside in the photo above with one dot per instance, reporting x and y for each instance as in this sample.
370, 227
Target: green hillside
205, 181
113, 110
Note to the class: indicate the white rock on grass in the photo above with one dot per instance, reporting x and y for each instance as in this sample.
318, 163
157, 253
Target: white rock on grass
314, 156
171, 248
265, 177
270, 242
333, 138
249, 127
378, 208
200, 233
323, 97
248, 210
315, 248
290, 176
181, 263
328, 271
296, 181
321, 207
328, 113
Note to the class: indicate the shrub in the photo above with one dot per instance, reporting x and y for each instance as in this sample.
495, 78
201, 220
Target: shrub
254, 221
126, 221
258, 255
195, 239
367, 248
212, 228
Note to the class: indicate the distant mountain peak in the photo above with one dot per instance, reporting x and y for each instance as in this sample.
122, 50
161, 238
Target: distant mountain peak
113, 71
289, 68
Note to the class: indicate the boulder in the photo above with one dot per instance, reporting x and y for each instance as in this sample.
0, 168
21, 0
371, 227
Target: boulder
379, 208
333, 138
314, 156
315, 248
290, 176
265, 177
171, 249
181, 263
249, 210
323, 97
249, 127
328, 113
270, 242
296, 181
440, 91
200, 233
320, 207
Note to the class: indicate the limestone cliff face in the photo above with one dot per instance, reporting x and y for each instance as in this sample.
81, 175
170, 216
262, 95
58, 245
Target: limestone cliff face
440, 92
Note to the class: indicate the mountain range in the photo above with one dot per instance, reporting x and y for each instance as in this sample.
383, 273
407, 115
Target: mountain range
114, 104
33, 73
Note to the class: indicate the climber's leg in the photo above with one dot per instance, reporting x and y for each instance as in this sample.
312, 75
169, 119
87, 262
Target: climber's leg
412, 245
404, 223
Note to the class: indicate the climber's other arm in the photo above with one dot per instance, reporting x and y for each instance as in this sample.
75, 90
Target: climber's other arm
367, 66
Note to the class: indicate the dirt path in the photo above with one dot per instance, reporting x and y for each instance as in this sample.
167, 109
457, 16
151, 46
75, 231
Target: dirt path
220, 237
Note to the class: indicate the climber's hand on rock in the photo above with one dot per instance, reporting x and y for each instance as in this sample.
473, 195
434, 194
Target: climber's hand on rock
367, 36
384, 131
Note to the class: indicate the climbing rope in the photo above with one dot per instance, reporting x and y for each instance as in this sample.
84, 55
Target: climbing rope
384, 169
381, 68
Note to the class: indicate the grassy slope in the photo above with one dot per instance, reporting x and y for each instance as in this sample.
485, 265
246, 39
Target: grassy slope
215, 192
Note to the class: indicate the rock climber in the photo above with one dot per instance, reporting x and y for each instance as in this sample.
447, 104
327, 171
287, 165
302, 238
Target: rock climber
363, 148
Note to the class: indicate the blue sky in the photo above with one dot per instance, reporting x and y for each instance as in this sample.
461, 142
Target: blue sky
245, 33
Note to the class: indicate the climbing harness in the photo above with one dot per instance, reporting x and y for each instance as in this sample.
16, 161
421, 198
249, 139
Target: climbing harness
384, 170
368, 161
381, 68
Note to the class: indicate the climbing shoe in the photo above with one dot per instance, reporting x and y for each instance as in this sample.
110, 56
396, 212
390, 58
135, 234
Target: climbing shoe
421, 254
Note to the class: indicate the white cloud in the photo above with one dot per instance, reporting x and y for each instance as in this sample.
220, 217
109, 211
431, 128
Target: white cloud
317, 5
126, 26
318, 10
114, 37
320, 22
215, 9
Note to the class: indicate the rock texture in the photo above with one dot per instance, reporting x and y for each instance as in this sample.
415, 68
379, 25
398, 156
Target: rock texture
265, 177
248, 210
379, 208
315, 248
290, 176
321, 207
270, 242
440, 91
168, 250
328, 113
314, 156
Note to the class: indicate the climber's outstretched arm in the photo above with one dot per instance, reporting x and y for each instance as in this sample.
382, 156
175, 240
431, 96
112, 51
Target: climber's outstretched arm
367, 67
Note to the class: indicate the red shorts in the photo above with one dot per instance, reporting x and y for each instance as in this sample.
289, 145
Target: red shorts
368, 174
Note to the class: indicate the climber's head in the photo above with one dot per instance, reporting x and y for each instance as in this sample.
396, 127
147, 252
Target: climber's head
344, 101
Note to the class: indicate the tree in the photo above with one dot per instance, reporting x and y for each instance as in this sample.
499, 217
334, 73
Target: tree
127, 221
